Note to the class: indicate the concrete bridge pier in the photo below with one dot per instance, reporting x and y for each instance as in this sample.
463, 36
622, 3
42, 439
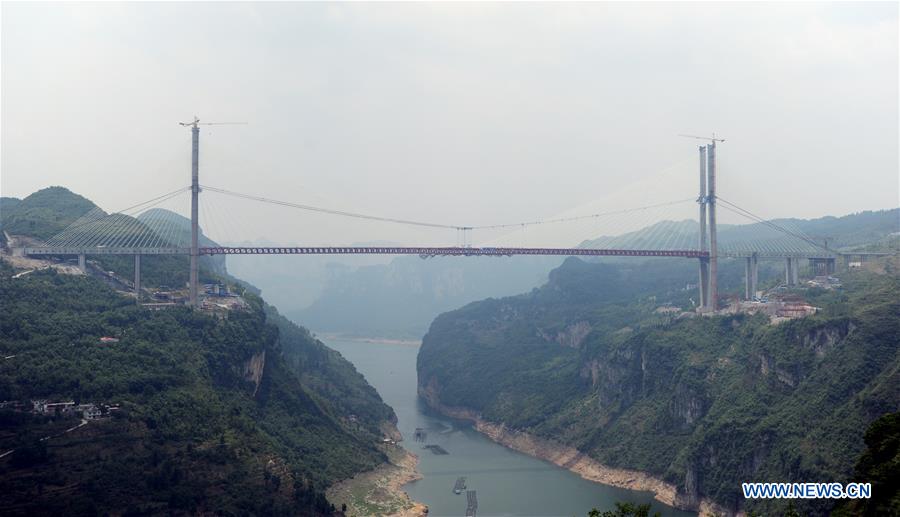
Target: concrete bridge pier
82, 263
751, 276
822, 266
792, 271
815, 267
137, 277
704, 283
754, 269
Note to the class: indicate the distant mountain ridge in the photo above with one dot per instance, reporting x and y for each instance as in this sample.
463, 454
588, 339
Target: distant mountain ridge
401, 298
49, 211
44, 213
158, 219
841, 232
291, 282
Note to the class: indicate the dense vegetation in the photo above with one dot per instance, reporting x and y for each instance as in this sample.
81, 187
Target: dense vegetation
850, 230
624, 510
230, 416
8, 203
49, 211
6, 206
879, 465
326, 373
44, 213
704, 403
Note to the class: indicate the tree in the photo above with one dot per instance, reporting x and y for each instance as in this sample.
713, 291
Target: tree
29, 455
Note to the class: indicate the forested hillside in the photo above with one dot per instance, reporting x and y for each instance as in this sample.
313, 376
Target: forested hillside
878, 465
49, 211
240, 413
44, 213
213, 417
326, 373
703, 403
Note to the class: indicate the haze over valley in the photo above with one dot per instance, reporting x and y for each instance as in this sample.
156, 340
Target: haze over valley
603, 259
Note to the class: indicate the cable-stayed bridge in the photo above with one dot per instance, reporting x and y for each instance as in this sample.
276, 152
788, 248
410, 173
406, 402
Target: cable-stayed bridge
656, 230
156, 232
149, 230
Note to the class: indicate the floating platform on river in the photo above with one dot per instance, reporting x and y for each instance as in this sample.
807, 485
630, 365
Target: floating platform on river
472, 505
436, 449
460, 485
420, 435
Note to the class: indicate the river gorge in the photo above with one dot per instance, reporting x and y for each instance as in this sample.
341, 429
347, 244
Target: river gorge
507, 482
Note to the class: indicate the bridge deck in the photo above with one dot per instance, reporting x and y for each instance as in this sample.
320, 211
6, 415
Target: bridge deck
447, 251
103, 250
423, 251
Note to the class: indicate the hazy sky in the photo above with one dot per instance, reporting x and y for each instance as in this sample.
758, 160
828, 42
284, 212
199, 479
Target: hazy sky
466, 113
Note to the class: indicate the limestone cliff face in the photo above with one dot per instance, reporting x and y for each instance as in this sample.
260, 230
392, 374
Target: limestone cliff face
582, 464
617, 380
620, 380
687, 406
571, 336
702, 404
822, 339
253, 369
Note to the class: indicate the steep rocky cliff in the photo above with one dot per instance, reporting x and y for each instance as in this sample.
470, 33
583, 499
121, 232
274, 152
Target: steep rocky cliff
214, 417
243, 414
253, 369
699, 404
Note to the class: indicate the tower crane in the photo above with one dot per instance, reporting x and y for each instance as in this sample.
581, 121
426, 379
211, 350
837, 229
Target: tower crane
712, 139
197, 122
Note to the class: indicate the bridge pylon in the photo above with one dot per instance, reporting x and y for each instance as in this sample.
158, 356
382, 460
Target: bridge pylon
193, 283
713, 288
709, 265
195, 223
703, 284
195, 202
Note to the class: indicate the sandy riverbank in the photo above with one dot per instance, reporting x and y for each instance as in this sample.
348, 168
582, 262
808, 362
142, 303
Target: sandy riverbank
576, 461
380, 491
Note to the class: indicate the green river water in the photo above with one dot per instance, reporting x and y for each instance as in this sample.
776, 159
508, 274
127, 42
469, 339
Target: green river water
506, 482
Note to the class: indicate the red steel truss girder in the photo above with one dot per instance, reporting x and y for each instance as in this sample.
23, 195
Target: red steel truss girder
446, 251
